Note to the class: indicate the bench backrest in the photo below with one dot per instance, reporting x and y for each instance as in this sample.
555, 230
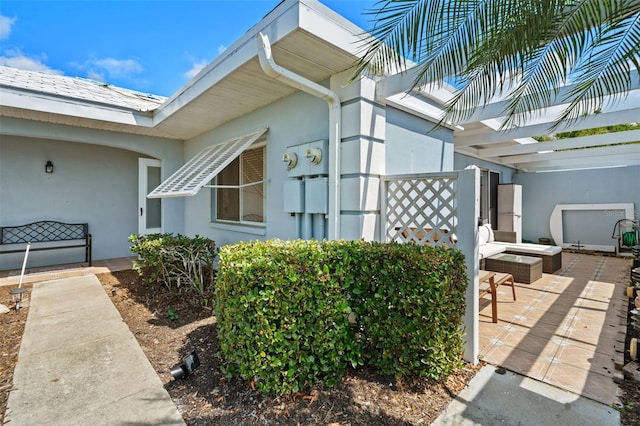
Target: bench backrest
43, 231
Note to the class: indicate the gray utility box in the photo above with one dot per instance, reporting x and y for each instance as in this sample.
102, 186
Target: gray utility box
294, 196
316, 195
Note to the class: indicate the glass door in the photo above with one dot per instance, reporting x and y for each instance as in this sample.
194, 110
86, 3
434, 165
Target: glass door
149, 209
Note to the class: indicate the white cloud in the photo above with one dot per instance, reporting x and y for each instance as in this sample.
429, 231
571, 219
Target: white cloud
101, 69
197, 66
6, 24
16, 59
221, 49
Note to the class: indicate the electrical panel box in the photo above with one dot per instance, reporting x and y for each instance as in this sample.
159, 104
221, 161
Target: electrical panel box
294, 196
317, 195
312, 159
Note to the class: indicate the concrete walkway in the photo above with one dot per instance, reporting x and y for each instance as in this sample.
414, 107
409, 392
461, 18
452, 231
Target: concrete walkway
79, 364
512, 399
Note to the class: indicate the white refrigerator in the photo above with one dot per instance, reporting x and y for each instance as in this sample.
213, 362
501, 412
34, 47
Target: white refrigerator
510, 209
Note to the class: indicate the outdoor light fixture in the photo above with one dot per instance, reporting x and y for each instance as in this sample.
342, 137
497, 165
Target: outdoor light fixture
16, 296
190, 363
48, 168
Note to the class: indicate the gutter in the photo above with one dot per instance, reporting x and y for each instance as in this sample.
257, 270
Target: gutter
292, 79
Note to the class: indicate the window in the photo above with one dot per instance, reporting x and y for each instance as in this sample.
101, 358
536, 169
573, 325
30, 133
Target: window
489, 181
236, 197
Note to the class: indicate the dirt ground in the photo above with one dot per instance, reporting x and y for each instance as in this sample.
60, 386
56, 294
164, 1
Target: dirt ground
169, 327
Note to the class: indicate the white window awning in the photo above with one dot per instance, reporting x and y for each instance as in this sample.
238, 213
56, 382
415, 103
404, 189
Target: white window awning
198, 171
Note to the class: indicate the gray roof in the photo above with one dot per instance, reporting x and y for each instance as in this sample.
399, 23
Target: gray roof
77, 88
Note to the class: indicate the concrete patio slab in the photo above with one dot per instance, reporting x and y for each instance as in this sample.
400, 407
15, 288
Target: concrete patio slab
506, 399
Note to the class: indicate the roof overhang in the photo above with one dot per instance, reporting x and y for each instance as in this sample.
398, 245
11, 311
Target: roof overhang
306, 37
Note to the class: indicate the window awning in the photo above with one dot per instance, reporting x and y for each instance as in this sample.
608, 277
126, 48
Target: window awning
198, 171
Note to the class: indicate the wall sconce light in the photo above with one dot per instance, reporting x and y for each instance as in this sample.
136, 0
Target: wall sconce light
48, 168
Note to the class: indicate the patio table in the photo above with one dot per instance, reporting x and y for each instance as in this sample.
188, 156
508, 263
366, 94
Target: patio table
525, 269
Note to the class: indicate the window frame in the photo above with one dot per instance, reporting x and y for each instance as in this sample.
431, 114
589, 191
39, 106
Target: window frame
241, 225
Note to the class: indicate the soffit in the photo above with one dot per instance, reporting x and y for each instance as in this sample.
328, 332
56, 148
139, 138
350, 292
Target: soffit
248, 88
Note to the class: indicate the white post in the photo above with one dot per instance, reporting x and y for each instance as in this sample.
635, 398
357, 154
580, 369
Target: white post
468, 213
24, 264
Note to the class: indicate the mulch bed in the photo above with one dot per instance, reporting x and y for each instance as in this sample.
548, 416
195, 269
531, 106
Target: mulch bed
206, 397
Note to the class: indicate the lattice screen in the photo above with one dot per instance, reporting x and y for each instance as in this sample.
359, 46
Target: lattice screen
422, 210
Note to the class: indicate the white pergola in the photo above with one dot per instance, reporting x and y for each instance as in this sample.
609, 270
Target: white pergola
481, 136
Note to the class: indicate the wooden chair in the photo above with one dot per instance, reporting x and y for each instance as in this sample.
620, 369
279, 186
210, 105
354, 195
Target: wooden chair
495, 279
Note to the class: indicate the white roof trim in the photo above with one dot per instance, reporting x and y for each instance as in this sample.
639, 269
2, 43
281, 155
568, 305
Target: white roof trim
198, 171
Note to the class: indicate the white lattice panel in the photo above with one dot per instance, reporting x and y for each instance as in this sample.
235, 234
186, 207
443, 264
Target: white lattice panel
422, 209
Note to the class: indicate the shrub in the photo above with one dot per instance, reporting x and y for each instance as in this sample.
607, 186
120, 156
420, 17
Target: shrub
283, 310
179, 262
282, 317
409, 303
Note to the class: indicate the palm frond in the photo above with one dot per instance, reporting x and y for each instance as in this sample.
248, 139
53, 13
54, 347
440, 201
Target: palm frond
521, 50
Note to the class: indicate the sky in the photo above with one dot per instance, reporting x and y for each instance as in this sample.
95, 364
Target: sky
145, 45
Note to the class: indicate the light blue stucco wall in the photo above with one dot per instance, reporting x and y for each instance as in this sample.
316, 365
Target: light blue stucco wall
542, 191
91, 183
291, 121
461, 161
412, 147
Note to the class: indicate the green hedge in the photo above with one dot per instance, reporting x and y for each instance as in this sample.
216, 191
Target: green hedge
291, 314
409, 303
282, 317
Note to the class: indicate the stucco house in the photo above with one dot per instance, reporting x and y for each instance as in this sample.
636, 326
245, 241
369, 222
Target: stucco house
270, 140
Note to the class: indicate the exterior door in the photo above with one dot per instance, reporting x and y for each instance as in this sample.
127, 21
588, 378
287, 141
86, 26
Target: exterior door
149, 209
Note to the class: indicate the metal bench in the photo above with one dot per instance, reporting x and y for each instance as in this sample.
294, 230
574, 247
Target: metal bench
47, 231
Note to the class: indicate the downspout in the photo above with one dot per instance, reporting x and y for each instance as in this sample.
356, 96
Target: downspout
292, 79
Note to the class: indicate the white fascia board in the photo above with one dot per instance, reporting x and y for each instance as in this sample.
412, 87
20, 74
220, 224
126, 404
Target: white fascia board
58, 106
580, 142
277, 24
331, 27
596, 120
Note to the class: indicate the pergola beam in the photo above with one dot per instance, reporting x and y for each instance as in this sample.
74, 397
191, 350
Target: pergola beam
597, 120
569, 143
581, 163
601, 152
497, 109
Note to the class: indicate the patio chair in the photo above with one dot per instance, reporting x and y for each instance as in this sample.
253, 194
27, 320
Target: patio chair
492, 280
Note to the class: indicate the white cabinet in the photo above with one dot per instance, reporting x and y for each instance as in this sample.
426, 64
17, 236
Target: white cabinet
510, 209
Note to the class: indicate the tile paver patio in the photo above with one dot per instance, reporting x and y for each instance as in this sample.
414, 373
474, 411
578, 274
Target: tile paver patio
562, 328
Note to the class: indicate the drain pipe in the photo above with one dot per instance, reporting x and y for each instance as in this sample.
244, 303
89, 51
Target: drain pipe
292, 79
